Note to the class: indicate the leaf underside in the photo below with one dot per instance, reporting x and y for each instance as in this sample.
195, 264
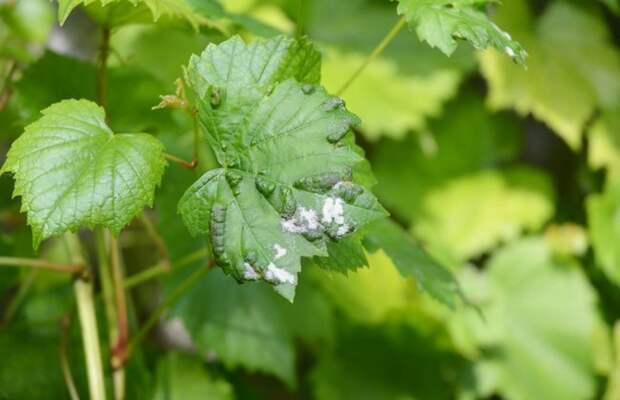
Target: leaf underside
291, 174
72, 171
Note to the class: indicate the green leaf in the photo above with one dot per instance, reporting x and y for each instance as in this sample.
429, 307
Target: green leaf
412, 57
55, 77
408, 170
387, 363
614, 5
343, 256
72, 171
243, 325
573, 70
604, 225
442, 22
412, 261
604, 146
471, 215
370, 295
182, 377
24, 376
382, 96
540, 316
158, 8
291, 176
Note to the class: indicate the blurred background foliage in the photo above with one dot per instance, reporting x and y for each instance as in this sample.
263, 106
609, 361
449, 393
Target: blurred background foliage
509, 176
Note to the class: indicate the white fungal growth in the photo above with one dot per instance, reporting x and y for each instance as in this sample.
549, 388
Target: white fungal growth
291, 226
338, 185
302, 221
280, 251
342, 230
333, 210
250, 273
309, 217
279, 276
509, 51
507, 35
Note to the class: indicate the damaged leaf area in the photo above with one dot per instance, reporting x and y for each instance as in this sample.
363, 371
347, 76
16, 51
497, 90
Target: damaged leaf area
291, 177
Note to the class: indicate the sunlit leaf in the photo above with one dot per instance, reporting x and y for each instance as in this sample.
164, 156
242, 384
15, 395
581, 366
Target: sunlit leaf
537, 346
572, 71
72, 171
290, 178
441, 23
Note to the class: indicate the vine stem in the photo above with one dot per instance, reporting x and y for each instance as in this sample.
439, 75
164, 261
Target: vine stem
102, 68
83, 288
375, 53
156, 238
116, 313
119, 349
181, 162
86, 310
65, 326
6, 90
36, 263
159, 311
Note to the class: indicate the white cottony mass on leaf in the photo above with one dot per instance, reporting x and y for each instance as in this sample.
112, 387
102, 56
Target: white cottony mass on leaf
292, 178
72, 171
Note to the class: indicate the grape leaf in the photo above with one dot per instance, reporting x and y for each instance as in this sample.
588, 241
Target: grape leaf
183, 377
603, 211
574, 68
369, 295
411, 260
158, 8
24, 376
537, 346
408, 170
71, 171
413, 57
291, 176
471, 215
604, 148
251, 326
441, 22
387, 363
343, 256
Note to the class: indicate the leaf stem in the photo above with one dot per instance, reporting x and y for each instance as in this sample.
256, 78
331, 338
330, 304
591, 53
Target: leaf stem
156, 238
181, 162
159, 311
375, 53
196, 136
16, 301
6, 90
300, 19
146, 275
160, 269
37, 263
102, 68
